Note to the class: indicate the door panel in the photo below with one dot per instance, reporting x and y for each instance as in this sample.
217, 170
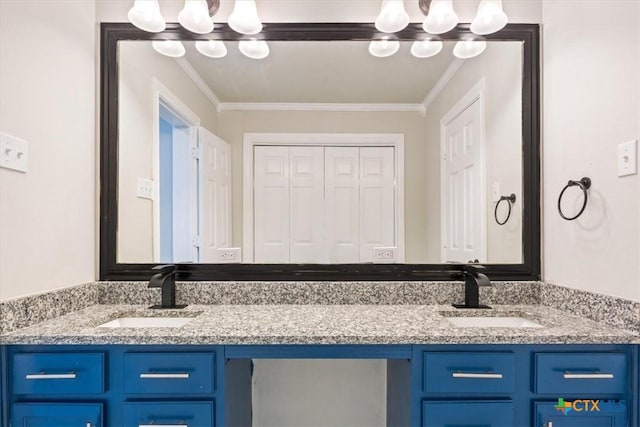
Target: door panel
271, 204
342, 204
216, 222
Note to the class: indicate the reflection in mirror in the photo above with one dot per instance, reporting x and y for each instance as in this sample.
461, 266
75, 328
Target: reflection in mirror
319, 153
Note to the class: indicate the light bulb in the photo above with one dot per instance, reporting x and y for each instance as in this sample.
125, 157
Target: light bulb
195, 17
426, 48
145, 14
441, 18
254, 49
383, 48
172, 48
211, 48
490, 17
244, 18
465, 49
392, 16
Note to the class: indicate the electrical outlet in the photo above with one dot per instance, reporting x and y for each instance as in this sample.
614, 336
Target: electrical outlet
628, 158
14, 153
385, 254
144, 188
230, 255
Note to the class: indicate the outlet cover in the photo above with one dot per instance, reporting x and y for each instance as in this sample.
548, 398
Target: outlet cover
144, 188
229, 255
628, 158
14, 153
385, 254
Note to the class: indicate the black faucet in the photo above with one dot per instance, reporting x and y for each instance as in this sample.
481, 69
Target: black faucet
166, 281
473, 279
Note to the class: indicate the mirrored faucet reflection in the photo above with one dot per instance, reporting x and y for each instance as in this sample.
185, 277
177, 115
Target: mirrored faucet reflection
166, 281
473, 280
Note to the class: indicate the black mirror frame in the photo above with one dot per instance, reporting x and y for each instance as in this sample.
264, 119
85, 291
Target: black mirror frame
110, 270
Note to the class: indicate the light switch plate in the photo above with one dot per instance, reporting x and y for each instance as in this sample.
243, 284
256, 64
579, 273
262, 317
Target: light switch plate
144, 188
628, 158
14, 153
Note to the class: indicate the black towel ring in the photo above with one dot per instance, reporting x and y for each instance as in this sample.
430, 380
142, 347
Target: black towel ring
510, 200
584, 184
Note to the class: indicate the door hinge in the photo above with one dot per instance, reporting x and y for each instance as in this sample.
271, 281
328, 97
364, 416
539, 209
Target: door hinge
195, 153
195, 240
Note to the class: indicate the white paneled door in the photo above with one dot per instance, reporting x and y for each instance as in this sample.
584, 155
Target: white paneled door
215, 164
316, 204
463, 232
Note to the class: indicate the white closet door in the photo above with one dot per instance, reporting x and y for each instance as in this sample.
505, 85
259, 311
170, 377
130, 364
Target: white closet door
377, 200
306, 205
215, 165
463, 187
342, 204
271, 204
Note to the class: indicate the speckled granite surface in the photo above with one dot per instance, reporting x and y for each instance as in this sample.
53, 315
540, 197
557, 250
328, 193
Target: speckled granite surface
22, 312
303, 293
317, 324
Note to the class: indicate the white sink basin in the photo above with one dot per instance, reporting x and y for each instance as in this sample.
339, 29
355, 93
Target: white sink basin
493, 322
147, 322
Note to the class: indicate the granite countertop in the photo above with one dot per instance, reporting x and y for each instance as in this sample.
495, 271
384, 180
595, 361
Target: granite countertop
318, 324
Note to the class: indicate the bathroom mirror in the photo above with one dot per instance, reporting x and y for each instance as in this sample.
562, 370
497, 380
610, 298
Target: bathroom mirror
320, 160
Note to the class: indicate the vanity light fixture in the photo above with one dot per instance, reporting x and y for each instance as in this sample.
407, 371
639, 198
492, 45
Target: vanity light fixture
441, 17
211, 48
244, 18
254, 49
145, 14
195, 17
426, 48
490, 17
383, 48
466, 49
171, 48
393, 17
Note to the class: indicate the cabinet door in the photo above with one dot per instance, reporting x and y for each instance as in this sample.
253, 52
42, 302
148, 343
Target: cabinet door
467, 413
186, 414
56, 414
605, 414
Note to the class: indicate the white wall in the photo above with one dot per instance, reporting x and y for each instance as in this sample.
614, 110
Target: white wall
592, 103
47, 97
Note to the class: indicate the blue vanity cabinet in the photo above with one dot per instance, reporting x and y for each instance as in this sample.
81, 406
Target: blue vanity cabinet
547, 414
57, 414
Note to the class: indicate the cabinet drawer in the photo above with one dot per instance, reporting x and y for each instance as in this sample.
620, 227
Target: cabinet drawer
609, 413
174, 414
57, 414
590, 373
467, 413
463, 372
169, 373
60, 373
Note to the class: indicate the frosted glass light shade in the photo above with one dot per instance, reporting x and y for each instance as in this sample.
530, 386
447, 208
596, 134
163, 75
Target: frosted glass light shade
466, 49
145, 14
490, 17
254, 49
426, 48
195, 17
441, 18
211, 48
392, 17
172, 48
383, 48
244, 18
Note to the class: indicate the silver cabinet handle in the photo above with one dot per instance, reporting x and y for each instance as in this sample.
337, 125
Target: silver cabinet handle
483, 375
587, 376
162, 425
44, 376
165, 376
549, 424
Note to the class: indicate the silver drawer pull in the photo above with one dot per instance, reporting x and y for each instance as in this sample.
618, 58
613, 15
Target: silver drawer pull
587, 376
44, 376
177, 376
483, 375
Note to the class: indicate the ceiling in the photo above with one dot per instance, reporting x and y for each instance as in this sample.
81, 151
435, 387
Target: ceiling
320, 72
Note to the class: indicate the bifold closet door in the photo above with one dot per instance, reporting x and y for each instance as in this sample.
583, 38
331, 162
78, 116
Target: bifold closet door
289, 204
